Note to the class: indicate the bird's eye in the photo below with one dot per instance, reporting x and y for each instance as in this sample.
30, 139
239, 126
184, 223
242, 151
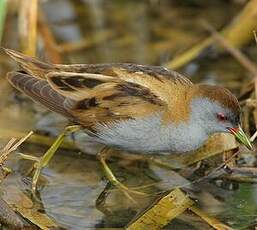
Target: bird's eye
221, 117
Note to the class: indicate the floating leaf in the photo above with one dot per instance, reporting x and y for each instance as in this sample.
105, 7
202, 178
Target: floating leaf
162, 212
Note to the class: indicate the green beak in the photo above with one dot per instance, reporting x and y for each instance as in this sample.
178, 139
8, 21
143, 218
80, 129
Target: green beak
241, 137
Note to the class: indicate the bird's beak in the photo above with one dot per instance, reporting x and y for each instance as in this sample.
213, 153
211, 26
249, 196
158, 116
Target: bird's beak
241, 137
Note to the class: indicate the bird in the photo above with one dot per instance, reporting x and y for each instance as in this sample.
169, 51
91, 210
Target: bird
131, 107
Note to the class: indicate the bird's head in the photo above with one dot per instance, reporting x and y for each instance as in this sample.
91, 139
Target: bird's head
216, 109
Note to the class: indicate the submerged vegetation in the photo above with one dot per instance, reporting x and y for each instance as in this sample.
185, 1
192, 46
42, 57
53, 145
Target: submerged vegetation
213, 188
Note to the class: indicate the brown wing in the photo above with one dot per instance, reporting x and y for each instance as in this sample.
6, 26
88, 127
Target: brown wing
109, 92
40, 91
100, 98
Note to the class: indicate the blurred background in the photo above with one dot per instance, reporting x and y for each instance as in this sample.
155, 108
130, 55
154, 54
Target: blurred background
208, 41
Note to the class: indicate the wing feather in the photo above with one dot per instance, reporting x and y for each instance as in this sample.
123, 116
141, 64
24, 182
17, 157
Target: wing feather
40, 91
99, 98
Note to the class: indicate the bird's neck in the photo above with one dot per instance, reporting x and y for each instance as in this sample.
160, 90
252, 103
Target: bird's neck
179, 109
191, 131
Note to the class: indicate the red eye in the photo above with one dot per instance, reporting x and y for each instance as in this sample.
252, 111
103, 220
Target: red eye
221, 117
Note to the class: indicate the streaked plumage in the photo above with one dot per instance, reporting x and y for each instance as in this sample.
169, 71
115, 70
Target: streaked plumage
133, 107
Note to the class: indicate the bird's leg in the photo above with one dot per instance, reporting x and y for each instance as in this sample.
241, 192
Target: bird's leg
41, 162
102, 155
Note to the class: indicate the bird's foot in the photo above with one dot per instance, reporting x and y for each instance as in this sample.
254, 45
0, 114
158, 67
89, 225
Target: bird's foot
124, 189
113, 180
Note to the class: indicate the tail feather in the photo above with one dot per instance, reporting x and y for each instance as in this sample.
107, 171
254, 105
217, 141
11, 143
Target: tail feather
31, 65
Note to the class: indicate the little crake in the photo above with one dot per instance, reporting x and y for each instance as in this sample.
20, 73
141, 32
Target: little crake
132, 107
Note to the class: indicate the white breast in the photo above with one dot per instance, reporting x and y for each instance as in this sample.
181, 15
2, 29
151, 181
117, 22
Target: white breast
148, 135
